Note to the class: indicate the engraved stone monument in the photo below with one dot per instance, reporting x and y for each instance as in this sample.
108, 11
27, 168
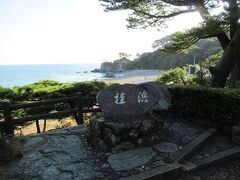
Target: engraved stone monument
130, 117
132, 100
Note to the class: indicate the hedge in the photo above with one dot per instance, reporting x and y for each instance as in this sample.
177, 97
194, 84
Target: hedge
45, 90
216, 107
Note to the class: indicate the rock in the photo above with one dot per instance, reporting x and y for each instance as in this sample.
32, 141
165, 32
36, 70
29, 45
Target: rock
133, 134
164, 100
105, 166
236, 134
56, 156
93, 133
111, 133
109, 75
159, 163
153, 138
96, 70
120, 128
80, 129
197, 156
166, 147
123, 146
109, 138
129, 100
130, 159
70, 145
82, 170
147, 125
51, 172
33, 143
94, 128
128, 116
98, 144
140, 141
136, 124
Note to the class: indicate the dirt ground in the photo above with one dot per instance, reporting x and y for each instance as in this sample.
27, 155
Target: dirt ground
31, 129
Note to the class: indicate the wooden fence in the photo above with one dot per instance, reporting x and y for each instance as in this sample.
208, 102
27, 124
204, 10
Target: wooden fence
81, 105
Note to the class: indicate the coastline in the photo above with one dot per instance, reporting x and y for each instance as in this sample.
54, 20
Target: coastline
134, 76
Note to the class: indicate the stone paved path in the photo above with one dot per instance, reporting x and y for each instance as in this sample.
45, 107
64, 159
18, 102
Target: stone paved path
64, 154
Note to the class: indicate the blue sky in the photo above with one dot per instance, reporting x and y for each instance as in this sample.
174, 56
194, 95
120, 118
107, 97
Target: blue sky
71, 31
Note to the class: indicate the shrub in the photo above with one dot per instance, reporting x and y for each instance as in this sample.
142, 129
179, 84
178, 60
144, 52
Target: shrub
45, 90
215, 107
177, 76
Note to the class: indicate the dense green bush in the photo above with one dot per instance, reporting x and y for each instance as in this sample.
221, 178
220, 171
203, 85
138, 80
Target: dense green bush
48, 89
180, 76
45, 90
215, 107
177, 76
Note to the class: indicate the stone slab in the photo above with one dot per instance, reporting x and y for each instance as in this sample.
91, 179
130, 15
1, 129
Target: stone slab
56, 157
130, 100
128, 160
166, 147
33, 142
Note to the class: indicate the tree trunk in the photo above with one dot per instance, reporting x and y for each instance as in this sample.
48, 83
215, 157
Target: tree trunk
229, 59
235, 73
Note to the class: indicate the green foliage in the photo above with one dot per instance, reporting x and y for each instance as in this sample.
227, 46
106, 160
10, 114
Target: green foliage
51, 90
201, 77
220, 20
156, 13
210, 106
45, 90
163, 60
177, 76
212, 60
6, 93
116, 65
178, 42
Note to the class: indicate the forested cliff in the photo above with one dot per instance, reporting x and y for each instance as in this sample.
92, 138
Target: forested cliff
162, 60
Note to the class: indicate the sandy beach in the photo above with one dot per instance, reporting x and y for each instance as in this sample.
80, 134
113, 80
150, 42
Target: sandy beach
134, 76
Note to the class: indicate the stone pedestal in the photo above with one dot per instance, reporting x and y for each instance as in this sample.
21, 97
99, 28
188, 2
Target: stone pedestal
109, 135
129, 116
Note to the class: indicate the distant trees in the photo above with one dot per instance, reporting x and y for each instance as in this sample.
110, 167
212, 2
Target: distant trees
124, 55
163, 60
116, 65
224, 26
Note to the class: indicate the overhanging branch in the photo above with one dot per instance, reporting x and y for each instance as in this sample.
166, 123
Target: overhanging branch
181, 2
165, 16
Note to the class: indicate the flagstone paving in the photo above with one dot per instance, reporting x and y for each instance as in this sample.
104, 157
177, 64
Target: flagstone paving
65, 154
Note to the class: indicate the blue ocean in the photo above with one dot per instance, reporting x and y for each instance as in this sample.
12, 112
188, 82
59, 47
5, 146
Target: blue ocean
18, 75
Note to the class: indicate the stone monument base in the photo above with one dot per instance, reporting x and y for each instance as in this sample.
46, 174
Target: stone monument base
109, 135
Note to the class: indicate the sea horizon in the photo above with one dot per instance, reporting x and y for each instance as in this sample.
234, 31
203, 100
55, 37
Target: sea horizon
22, 74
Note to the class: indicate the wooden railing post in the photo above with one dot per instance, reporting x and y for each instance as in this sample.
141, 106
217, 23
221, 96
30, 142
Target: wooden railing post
37, 126
80, 109
7, 113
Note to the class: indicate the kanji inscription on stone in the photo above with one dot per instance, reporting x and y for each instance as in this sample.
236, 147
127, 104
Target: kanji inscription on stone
132, 100
142, 97
120, 98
